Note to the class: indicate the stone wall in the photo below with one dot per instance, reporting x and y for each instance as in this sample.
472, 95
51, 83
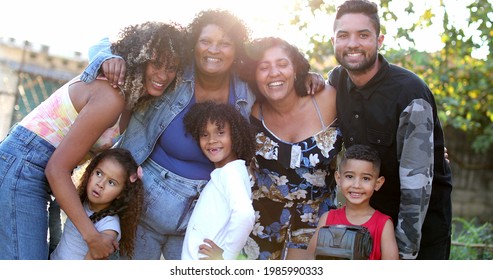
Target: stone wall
472, 194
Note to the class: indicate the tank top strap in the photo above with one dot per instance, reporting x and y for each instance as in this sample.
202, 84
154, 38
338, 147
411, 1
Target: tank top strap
260, 113
318, 111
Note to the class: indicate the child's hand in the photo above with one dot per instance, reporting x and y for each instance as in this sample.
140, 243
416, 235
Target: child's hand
211, 250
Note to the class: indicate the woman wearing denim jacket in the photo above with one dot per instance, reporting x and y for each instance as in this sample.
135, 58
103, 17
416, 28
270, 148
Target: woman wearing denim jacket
175, 170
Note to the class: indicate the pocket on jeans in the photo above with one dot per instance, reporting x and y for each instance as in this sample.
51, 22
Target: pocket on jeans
6, 162
185, 216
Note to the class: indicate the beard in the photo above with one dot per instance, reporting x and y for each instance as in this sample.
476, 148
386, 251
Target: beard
361, 67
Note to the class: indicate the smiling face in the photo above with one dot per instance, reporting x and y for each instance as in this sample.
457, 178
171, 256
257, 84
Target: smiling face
214, 51
105, 184
356, 43
358, 179
216, 144
158, 78
275, 74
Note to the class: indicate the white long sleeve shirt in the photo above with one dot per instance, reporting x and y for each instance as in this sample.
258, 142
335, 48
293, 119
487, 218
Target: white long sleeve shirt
223, 213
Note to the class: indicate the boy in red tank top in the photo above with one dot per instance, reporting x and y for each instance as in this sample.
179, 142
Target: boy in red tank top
357, 177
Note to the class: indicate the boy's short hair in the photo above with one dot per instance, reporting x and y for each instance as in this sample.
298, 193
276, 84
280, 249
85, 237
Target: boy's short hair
362, 152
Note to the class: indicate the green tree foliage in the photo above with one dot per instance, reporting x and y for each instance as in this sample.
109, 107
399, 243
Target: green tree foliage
461, 81
471, 240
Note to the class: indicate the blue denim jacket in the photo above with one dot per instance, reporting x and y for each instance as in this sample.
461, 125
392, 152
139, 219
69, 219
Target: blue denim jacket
140, 137
97, 55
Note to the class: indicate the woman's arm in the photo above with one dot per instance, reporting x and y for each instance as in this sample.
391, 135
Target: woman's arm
99, 107
98, 54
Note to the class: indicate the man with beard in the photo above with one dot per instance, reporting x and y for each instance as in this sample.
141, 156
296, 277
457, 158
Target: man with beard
392, 109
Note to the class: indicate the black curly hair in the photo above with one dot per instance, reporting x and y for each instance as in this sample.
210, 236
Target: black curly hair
128, 206
242, 134
233, 26
255, 51
149, 42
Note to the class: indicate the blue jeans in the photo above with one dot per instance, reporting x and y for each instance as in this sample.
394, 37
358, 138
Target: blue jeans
169, 201
24, 195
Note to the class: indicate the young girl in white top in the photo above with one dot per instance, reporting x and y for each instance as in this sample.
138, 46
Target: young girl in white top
223, 216
112, 195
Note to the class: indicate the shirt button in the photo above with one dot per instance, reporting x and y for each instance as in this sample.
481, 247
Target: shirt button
378, 141
351, 139
356, 116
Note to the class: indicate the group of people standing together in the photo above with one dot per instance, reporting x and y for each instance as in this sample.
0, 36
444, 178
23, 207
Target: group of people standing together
258, 177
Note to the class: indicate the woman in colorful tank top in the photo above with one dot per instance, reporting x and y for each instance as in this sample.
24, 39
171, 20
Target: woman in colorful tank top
297, 142
38, 155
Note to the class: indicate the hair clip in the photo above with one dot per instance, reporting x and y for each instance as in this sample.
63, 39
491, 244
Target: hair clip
140, 172
138, 175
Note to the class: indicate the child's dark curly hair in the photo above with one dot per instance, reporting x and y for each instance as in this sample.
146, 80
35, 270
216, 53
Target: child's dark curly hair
128, 205
256, 50
233, 27
242, 135
149, 42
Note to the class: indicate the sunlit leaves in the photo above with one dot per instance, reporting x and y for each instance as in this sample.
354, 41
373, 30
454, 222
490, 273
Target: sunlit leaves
461, 82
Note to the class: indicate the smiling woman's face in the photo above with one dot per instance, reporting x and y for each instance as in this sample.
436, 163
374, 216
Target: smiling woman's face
275, 74
214, 51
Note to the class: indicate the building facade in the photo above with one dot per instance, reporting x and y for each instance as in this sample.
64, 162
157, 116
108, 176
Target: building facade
28, 75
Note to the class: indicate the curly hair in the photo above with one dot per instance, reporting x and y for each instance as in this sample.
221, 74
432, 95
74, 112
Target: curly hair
256, 50
128, 206
234, 27
150, 42
242, 135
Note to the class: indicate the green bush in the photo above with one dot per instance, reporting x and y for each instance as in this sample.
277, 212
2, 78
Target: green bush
471, 240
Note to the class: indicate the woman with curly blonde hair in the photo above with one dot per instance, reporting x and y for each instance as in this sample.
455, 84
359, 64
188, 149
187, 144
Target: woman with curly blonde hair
77, 121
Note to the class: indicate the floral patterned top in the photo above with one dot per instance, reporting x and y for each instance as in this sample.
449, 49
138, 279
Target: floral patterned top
294, 185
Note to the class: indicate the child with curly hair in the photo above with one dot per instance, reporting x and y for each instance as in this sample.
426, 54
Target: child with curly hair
112, 195
223, 216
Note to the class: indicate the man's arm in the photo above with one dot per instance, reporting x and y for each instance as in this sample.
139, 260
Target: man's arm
415, 151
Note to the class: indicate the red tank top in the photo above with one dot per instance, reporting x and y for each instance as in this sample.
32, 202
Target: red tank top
375, 226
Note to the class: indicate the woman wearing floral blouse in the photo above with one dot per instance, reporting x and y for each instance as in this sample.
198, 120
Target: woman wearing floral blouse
297, 142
